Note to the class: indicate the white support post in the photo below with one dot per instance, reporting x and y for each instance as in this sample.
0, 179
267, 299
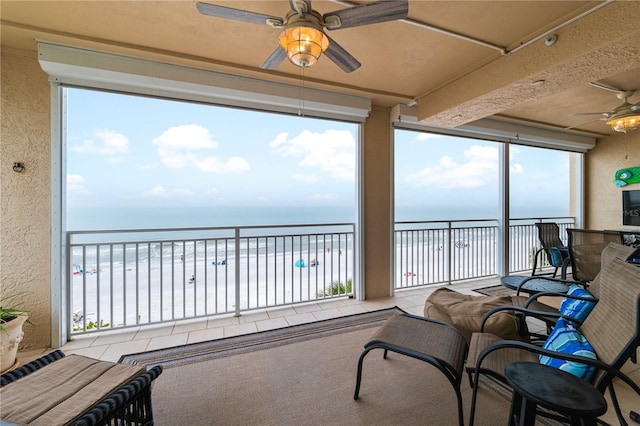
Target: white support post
59, 294
503, 217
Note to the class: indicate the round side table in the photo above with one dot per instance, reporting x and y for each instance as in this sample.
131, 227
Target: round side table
533, 285
536, 384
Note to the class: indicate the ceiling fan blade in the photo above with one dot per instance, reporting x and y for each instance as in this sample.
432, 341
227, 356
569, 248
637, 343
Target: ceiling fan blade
582, 124
295, 7
605, 87
341, 57
237, 14
606, 114
370, 13
276, 57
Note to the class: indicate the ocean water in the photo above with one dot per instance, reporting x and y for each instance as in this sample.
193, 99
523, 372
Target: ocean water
87, 218
110, 218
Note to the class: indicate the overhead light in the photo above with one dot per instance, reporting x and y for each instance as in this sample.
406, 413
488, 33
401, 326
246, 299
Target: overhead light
625, 122
303, 44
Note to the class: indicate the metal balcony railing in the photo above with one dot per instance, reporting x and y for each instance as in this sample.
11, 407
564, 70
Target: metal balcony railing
125, 278
437, 252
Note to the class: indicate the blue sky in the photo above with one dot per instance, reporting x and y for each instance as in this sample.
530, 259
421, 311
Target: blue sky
456, 173
126, 150
137, 151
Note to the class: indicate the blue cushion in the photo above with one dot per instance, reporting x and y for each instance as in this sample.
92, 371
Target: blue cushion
566, 339
558, 254
578, 309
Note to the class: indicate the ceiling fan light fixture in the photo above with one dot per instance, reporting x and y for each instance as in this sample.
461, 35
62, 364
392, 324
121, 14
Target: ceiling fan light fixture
625, 123
303, 44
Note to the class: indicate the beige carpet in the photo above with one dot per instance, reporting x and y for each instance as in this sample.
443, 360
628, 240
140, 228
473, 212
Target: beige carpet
291, 377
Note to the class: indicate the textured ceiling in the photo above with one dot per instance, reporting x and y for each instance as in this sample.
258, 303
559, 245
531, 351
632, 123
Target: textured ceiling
509, 74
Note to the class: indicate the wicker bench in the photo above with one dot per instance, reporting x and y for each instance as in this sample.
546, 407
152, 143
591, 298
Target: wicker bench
76, 390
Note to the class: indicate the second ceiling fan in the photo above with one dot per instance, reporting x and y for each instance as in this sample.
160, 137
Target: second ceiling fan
623, 118
303, 38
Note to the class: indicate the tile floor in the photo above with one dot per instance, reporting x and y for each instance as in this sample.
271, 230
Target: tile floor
110, 346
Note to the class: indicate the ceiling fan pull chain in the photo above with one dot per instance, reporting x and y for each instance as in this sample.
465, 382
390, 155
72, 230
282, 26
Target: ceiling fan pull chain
626, 149
301, 104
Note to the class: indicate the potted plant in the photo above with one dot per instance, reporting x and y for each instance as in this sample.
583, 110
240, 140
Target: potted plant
12, 318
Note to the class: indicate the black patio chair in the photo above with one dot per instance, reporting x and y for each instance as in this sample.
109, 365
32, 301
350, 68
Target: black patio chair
556, 253
585, 248
612, 328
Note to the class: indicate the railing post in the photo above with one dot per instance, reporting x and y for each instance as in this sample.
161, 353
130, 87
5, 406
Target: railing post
449, 251
237, 269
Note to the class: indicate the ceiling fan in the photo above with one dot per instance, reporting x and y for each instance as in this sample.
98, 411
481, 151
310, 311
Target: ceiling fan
303, 38
624, 117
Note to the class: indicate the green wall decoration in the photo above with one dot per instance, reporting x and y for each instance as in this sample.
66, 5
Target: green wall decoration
627, 176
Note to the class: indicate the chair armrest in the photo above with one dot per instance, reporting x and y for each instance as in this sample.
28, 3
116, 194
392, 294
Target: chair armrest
515, 344
535, 296
120, 399
527, 312
30, 367
552, 294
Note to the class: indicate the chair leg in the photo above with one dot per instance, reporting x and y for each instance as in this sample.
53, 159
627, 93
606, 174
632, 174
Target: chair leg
474, 396
616, 405
359, 374
535, 262
454, 380
460, 411
565, 263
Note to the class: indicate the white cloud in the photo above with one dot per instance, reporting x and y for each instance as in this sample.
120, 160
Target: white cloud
75, 184
106, 143
157, 192
516, 168
181, 146
424, 136
212, 191
480, 168
187, 137
332, 151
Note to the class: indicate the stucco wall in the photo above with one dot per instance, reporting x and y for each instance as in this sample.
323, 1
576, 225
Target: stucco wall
604, 199
25, 197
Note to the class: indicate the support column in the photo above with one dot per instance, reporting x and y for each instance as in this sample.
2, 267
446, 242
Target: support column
377, 202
